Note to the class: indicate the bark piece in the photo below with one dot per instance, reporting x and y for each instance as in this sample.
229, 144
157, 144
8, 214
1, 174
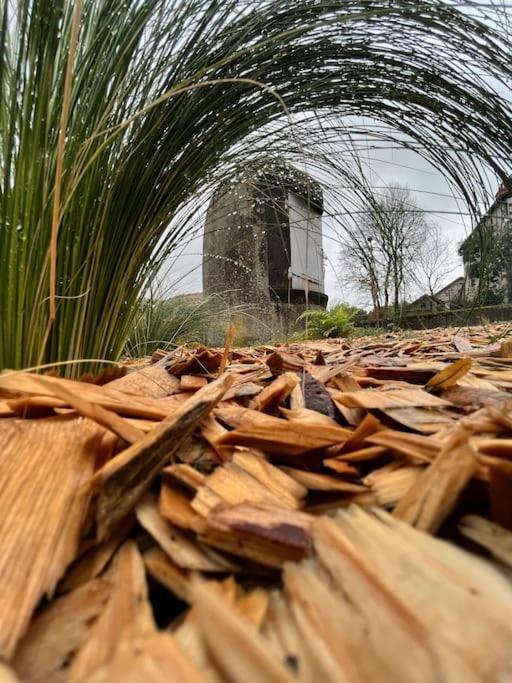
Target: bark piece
265, 534
316, 396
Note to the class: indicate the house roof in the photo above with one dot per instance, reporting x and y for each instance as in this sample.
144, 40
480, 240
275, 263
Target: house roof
458, 281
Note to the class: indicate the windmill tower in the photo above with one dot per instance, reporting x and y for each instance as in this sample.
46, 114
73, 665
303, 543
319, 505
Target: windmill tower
262, 249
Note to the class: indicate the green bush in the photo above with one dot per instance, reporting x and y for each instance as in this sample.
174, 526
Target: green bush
166, 323
338, 321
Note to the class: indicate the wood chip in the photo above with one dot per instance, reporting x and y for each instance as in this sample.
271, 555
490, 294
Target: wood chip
125, 478
435, 493
46, 466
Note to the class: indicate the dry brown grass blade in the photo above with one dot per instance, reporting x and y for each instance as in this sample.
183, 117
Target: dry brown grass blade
59, 165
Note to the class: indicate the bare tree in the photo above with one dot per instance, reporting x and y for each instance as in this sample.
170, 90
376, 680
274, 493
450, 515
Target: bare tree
392, 251
433, 262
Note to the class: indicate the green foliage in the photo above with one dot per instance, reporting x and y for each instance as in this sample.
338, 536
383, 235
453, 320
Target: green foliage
338, 321
487, 253
168, 323
167, 98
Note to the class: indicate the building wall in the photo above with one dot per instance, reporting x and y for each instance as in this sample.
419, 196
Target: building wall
235, 248
249, 245
307, 262
487, 257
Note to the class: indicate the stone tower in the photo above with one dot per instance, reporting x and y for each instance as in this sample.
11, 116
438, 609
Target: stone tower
262, 250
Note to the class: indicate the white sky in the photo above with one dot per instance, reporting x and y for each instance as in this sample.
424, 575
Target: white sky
387, 167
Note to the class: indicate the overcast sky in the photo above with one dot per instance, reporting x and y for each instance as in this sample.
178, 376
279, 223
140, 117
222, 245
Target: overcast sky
431, 191
386, 167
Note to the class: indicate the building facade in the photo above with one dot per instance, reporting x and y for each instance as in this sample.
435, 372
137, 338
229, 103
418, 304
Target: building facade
487, 254
449, 297
262, 248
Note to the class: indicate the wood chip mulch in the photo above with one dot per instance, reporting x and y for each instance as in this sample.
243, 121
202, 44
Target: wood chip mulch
326, 511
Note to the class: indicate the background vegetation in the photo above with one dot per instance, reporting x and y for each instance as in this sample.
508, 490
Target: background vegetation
118, 120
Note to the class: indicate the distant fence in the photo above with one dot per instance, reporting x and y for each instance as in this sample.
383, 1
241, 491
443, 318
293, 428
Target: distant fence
454, 317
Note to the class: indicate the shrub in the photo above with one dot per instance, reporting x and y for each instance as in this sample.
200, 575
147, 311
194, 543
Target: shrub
335, 322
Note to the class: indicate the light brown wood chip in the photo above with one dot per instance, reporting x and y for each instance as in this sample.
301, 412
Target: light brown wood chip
97, 413
263, 533
127, 615
45, 465
435, 493
152, 381
124, 479
183, 551
389, 398
16, 384
288, 437
58, 632
493, 537
275, 393
449, 376
155, 658
237, 649
166, 572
